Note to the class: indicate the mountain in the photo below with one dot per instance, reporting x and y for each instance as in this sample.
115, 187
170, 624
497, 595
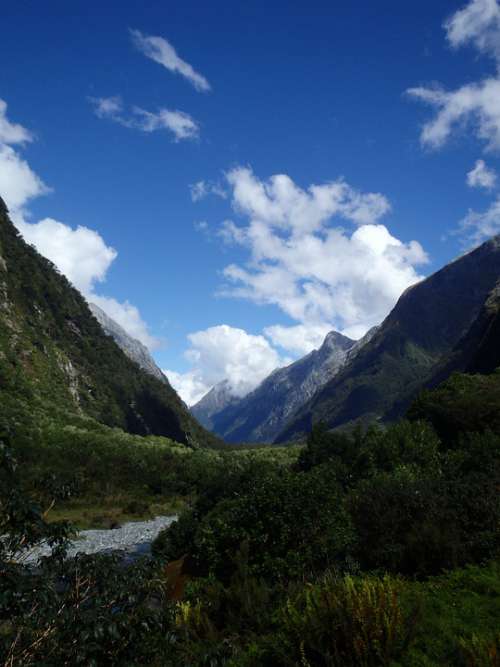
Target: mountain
132, 347
218, 398
262, 414
56, 358
429, 328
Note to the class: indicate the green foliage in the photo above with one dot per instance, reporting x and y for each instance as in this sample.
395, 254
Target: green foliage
349, 622
396, 500
22, 520
293, 525
480, 652
461, 404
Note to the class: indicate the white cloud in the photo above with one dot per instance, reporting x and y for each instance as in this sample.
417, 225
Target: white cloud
80, 254
190, 386
107, 107
478, 227
477, 23
84, 258
12, 133
223, 352
202, 189
476, 105
179, 123
320, 275
198, 190
232, 234
162, 52
299, 339
481, 176
280, 203
18, 182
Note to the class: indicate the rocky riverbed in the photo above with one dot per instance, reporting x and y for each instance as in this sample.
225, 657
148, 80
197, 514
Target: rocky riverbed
133, 539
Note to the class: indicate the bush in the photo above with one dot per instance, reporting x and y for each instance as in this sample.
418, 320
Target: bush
349, 622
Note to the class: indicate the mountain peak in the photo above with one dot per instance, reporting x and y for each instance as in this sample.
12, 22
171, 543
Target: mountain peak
414, 341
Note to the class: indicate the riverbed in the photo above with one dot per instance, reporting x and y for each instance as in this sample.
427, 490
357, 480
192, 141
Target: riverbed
132, 539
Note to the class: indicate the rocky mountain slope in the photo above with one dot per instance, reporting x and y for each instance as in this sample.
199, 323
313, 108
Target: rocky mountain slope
433, 323
262, 414
55, 357
132, 347
216, 400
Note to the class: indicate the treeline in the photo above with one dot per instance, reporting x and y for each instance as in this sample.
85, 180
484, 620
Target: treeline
376, 547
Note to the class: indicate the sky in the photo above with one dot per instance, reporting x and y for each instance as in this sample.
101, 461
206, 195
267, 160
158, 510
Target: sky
231, 181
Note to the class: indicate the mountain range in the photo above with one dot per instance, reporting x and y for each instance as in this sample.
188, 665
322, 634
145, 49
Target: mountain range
260, 415
60, 354
448, 322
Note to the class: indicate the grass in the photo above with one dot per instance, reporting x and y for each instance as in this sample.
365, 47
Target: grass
113, 511
460, 616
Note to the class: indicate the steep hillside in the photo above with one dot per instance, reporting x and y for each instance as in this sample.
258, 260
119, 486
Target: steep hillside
413, 343
260, 416
54, 355
132, 347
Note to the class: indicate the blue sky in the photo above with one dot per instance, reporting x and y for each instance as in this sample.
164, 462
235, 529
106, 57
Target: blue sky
159, 127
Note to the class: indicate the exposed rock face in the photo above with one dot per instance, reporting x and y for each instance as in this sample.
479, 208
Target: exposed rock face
417, 338
132, 347
218, 398
259, 416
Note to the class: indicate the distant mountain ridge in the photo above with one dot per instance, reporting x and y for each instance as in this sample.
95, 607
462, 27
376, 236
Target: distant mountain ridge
433, 323
216, 400
55, 356
260, 415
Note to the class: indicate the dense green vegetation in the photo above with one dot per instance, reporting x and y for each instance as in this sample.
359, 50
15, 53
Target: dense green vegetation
375, 547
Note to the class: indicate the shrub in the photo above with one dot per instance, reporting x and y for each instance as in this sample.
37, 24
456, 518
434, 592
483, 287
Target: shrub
349, 622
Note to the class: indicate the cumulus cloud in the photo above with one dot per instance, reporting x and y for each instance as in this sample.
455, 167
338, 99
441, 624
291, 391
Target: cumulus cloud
84, 258
481, 176
179, 123
299, 339
231, 234
322, 276
280, 203
478, 23
224, 353
18, 182
190, 385
12, 133
163, 53
80, 254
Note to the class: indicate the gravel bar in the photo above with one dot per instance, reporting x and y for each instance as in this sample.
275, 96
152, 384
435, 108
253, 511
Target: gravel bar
134, 539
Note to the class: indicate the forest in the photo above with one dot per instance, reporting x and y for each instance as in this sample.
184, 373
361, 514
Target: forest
375, 546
